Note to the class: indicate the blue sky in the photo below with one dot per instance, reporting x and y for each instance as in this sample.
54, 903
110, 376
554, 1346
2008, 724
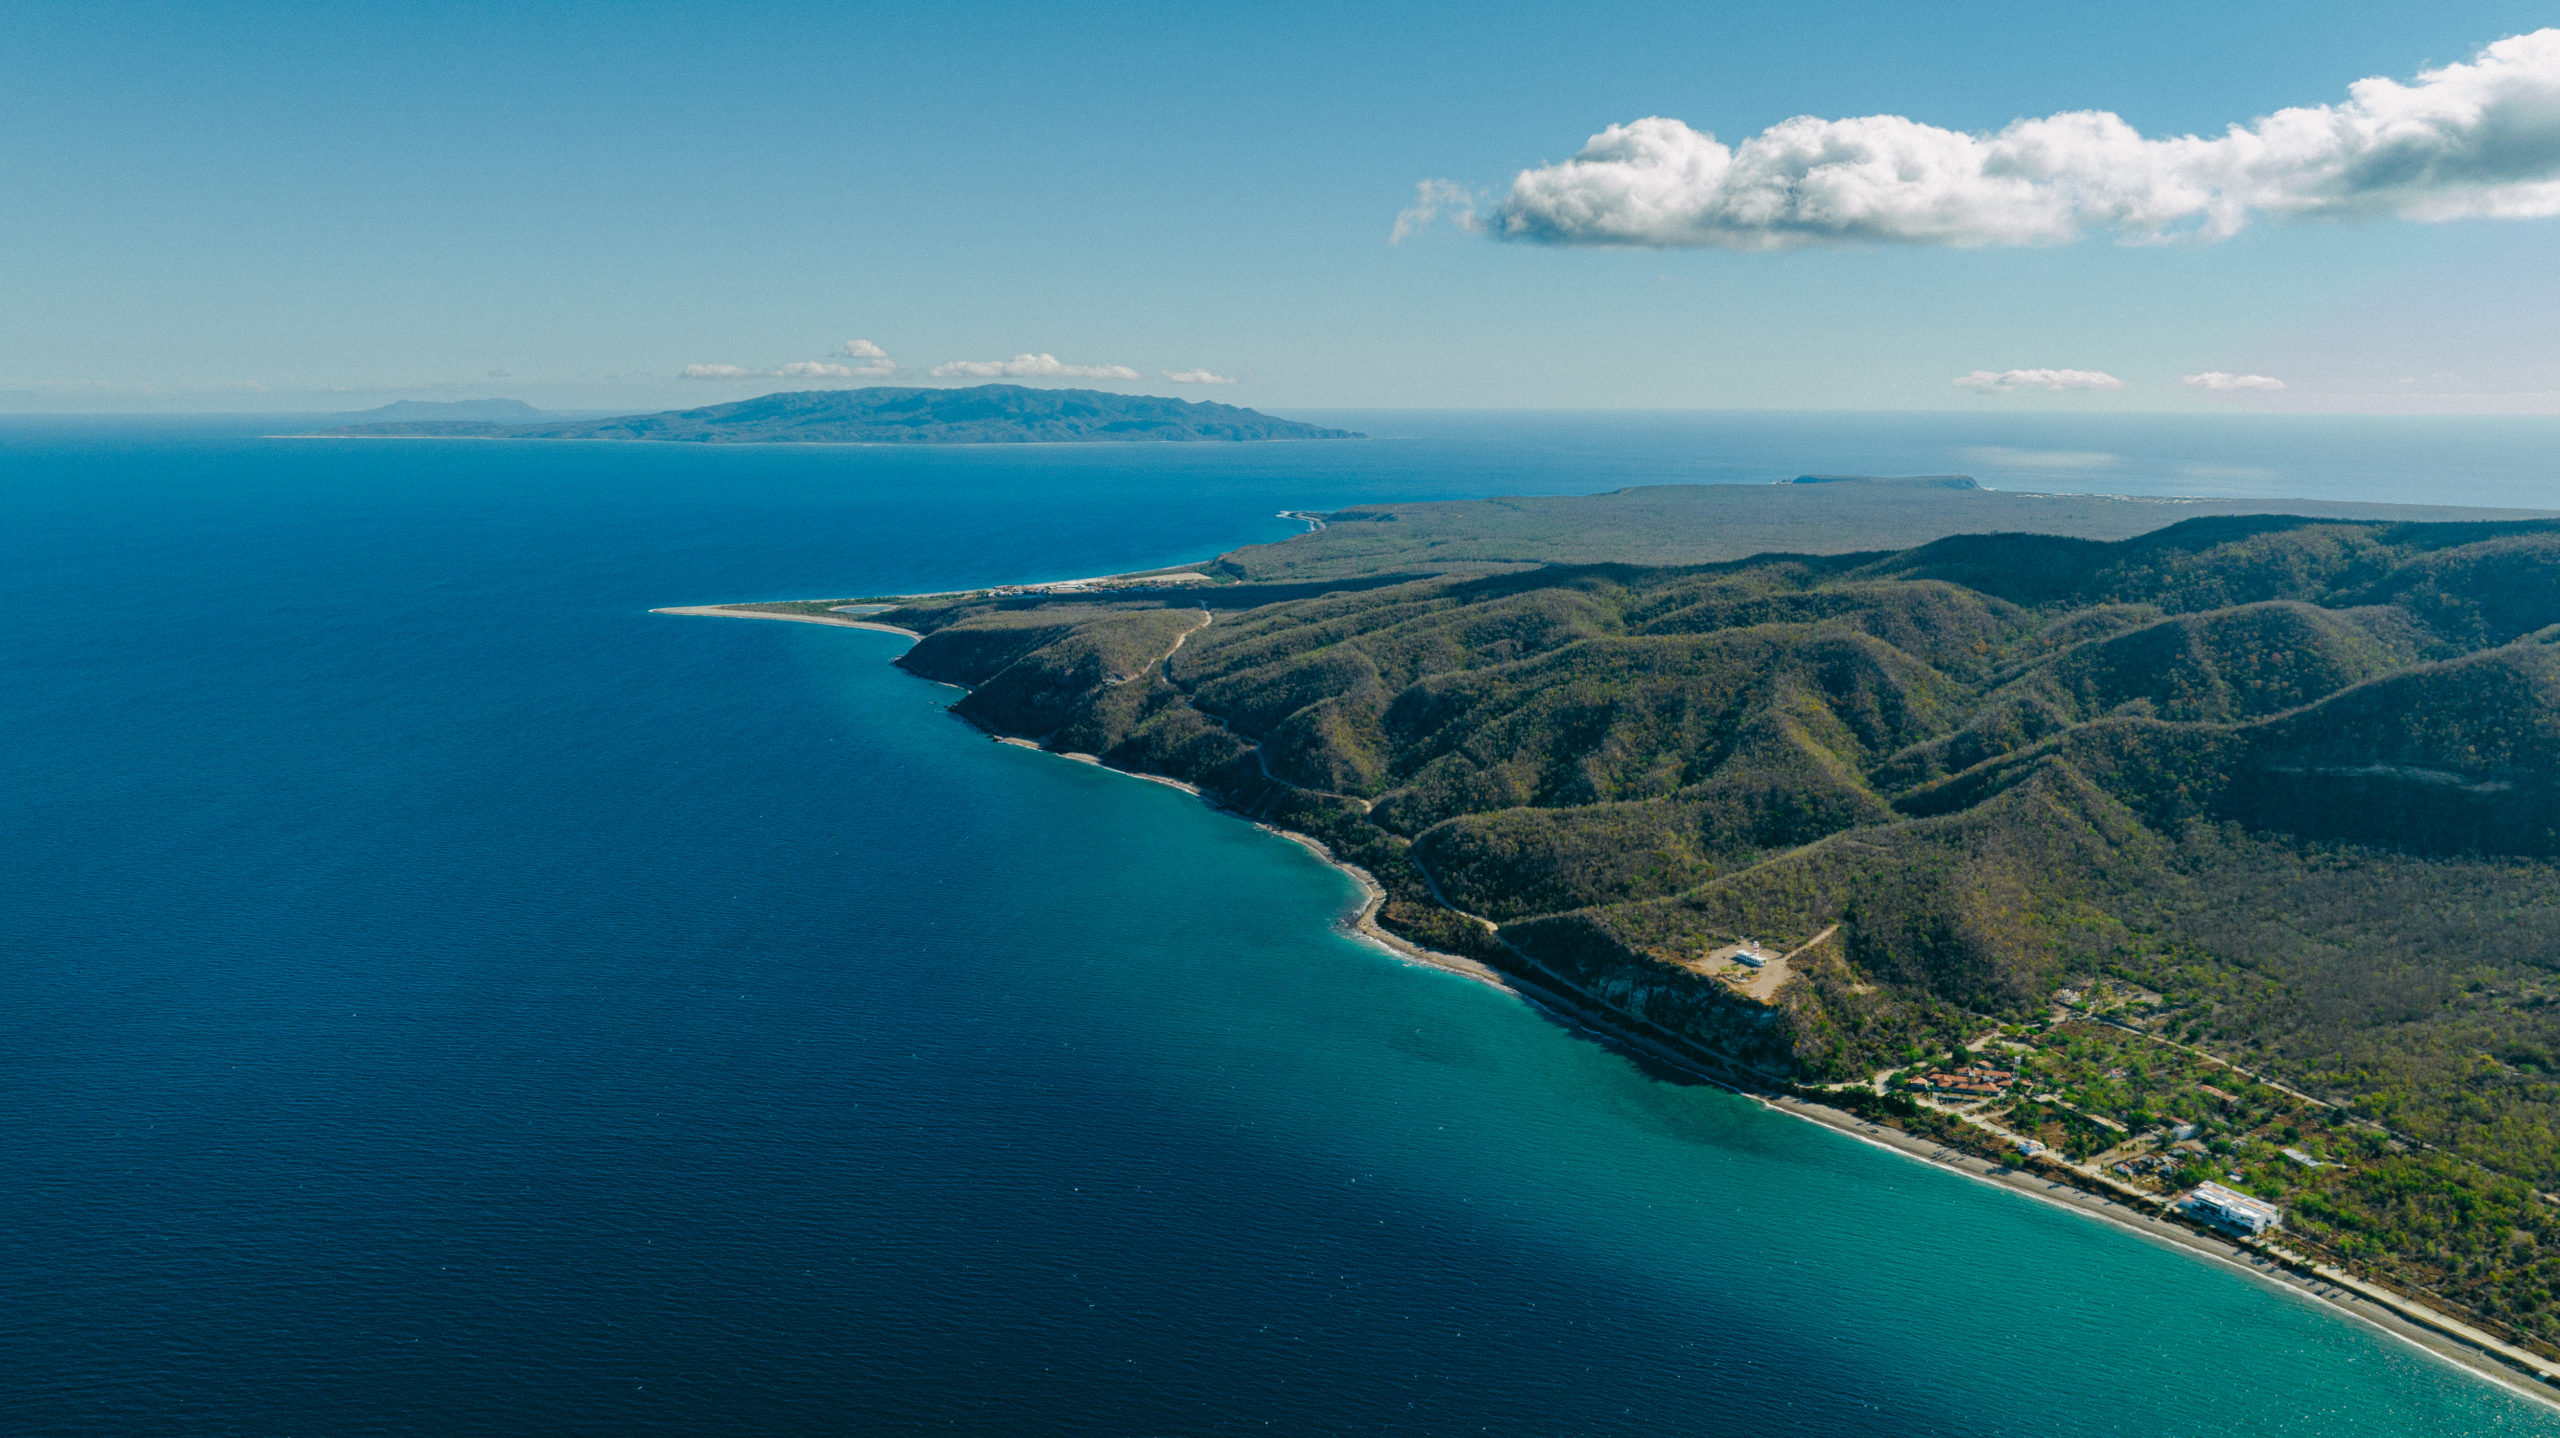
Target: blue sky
289, 207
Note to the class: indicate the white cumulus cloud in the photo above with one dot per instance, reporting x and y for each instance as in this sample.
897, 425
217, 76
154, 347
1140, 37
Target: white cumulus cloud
797, 369
1196, 376
1431, 200
1030, 366
1998, 381
2476, 139
875, 360
2218, 381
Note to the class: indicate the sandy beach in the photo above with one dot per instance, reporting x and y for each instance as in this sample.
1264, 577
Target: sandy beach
2438, 1334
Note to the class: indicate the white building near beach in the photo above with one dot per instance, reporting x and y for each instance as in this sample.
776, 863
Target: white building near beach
2231, 1209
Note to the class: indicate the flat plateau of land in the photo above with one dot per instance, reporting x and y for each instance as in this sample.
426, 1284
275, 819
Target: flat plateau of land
1716, 523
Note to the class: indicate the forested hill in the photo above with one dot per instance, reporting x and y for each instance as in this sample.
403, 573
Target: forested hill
979, 414
1672, 756
2294, 782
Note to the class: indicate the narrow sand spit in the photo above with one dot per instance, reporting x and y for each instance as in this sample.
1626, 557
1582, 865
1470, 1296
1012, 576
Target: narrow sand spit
742, 611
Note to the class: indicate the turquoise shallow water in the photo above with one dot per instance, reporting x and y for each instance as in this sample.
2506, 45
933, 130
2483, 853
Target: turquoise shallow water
440, 997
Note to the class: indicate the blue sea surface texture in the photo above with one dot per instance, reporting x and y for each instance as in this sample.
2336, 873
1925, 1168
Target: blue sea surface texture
440, 996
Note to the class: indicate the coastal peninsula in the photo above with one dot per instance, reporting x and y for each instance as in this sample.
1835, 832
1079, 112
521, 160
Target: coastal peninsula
2136, 850
976, 414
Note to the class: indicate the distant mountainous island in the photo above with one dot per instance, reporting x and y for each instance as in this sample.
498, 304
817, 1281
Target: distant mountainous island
979, 414
401, 411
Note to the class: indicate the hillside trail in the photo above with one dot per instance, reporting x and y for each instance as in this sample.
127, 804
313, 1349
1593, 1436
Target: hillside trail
1206, 619
1163, 664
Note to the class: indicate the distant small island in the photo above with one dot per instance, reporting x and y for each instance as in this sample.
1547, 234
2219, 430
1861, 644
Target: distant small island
410, 411
979, 414
1913, 481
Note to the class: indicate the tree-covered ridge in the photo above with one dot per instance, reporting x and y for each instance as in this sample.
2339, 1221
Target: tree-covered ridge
2298, 779
1571, 737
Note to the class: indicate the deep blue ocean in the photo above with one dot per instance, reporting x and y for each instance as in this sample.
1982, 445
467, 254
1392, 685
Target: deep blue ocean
438, 996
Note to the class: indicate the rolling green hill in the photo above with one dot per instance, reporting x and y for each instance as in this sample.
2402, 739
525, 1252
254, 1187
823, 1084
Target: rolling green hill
1591, 737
